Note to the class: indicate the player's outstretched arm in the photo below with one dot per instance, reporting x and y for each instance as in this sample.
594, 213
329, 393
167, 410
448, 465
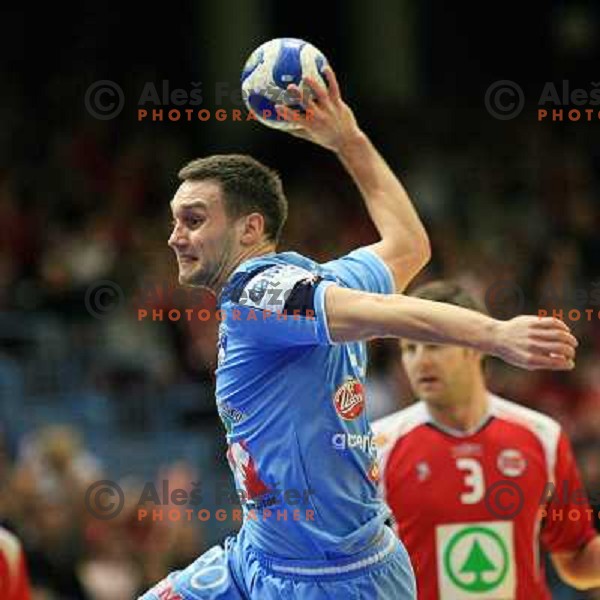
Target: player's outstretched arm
580, 569
404, 244
529, 342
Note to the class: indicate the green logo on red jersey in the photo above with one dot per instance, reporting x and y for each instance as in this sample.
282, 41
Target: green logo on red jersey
480, 571
476, 560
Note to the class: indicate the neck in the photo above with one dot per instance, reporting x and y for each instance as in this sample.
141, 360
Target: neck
230, 264
467, 412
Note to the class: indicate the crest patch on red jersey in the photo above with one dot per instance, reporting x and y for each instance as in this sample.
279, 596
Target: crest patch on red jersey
511, 462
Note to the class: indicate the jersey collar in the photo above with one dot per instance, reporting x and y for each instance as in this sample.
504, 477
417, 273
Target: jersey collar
237, 274
460, 433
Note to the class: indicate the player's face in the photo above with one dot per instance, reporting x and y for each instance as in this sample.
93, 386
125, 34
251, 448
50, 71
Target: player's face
440, 374
203, 238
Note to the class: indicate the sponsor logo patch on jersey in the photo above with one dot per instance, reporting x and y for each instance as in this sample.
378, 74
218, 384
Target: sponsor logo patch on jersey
350, 441
467, 449
270, 289
349, 399
373, 472
511, 462
380, 440
476, 560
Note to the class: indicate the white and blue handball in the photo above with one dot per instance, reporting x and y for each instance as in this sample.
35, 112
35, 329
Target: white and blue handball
270, 69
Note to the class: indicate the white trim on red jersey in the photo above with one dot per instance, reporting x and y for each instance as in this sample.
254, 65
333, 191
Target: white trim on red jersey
388, 430
545, 428
10, 547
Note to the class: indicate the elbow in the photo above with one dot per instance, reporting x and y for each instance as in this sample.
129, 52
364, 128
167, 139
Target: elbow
406, 257
418, 258
420, 261
580, 569
419, 252
412, 245
424, 245
580, 579
579, 583
424, 251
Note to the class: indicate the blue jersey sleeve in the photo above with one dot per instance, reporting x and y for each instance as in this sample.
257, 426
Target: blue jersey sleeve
279, 306
362, 270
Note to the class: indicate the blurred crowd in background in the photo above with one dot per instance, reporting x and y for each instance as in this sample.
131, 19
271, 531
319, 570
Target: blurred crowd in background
521, 212
89, 390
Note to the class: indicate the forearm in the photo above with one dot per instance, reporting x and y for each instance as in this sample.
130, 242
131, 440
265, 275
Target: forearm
386, 199
404, 245
527, 341
421, 320
581, 569
438, 322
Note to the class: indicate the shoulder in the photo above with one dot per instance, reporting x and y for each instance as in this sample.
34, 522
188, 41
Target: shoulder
361, 269
277, 265
263, 282
545, 429
541, 425
10, 547
390, 429
8, 541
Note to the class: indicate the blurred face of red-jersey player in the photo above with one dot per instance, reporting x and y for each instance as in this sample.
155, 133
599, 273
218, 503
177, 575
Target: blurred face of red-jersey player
442, 376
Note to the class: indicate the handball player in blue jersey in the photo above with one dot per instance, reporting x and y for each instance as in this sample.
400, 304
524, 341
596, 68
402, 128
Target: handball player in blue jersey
291, 370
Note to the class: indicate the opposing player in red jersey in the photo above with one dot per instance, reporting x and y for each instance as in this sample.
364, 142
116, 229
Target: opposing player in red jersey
14, 583
468, 476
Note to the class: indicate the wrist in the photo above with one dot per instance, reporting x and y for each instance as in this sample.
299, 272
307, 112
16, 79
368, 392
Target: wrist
350, 142
492, 340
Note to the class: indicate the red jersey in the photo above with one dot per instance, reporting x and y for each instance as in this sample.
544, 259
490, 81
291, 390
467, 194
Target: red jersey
472, 508
14, 584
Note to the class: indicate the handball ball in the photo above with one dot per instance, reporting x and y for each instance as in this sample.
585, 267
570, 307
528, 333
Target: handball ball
268, 72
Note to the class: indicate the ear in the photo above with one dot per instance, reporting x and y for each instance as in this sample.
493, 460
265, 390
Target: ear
252, 229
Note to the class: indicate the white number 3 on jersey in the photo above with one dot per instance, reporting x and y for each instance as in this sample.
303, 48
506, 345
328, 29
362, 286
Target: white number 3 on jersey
474, 480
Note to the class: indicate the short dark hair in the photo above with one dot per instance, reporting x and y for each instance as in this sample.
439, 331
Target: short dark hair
451, 292
248, 186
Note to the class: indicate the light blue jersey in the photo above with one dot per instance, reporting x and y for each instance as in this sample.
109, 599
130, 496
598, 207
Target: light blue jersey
300, 446
293, 404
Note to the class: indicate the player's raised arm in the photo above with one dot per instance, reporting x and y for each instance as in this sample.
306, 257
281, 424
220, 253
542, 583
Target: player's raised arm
404, 244
527, 341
